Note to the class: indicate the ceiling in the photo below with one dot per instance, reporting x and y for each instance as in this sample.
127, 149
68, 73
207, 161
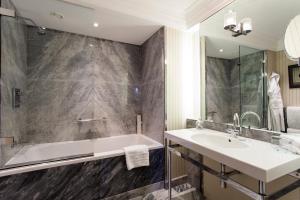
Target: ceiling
269, 17
230, 49
129, 21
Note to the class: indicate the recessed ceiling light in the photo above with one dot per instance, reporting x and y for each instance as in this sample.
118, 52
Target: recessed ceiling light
96, 24
221, 50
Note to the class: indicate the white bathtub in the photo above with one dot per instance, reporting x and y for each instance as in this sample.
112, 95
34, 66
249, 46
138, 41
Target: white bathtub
61, 153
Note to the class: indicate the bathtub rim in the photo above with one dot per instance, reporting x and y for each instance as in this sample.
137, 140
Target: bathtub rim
95, 156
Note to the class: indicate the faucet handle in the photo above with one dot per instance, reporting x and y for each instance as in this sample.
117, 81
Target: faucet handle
229, 130
232, 132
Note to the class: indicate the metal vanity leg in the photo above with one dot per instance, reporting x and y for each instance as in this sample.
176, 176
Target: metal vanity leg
262, 188
223, 172
169, 154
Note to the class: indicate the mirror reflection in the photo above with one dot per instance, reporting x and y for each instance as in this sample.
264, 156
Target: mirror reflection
247, 65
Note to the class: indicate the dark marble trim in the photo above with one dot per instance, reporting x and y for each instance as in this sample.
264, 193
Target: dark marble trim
91, 180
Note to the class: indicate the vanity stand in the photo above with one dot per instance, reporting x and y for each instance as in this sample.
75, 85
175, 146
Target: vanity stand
175, 140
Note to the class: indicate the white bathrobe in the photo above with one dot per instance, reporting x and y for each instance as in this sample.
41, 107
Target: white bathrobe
276, 117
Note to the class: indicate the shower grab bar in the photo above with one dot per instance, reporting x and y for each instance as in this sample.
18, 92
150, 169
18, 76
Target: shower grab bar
7, 12
90, 119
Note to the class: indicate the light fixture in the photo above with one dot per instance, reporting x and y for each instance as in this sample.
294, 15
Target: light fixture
221, 50
247, 25
244, 27
230, 20
96, 24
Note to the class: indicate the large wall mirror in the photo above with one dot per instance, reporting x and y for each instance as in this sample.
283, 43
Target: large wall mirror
247, 65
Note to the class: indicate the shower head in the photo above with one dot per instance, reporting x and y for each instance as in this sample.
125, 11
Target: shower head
41, 29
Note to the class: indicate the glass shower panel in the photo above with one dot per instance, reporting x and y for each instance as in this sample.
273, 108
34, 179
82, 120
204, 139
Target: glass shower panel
28, 100
13, 81
252, 87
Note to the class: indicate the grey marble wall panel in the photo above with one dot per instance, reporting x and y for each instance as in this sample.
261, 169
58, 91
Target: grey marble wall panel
252, 87
13, 73
220, 81
73, 76
235, 88
235, 84
92, 180
153, 88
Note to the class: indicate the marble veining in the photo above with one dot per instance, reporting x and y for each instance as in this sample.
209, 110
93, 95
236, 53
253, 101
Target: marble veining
235, 86
72, 76
13, 75
153, 87
91, 180
220, 83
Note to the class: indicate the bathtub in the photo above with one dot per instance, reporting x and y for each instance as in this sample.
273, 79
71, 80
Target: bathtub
47, 155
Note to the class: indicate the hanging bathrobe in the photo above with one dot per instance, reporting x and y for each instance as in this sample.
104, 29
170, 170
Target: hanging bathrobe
276, 117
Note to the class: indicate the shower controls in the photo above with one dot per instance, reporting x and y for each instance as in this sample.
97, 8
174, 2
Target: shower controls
16, 98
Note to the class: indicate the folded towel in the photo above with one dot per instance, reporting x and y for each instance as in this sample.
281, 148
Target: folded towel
136, 156
292, 130
293, 117
290, 142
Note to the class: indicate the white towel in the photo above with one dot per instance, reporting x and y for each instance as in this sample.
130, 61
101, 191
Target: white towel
290, 142
293, 117
136, 156
292, 130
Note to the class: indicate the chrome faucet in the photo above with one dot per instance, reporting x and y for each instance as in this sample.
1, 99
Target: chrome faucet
237, 128
251, 113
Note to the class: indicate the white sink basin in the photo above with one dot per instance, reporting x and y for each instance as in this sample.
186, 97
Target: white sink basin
260, 160
220, 141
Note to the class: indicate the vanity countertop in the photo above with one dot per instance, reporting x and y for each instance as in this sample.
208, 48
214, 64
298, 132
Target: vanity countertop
260, 160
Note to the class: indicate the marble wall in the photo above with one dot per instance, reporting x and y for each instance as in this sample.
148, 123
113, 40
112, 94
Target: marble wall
153, 86
89, 180
222, 80
72, 76
253, 88
236, 86
13, 73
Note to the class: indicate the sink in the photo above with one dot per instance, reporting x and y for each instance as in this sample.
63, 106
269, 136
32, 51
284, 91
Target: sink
220, 141
257, 159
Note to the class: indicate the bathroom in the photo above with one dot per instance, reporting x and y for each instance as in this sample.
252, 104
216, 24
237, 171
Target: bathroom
140, 100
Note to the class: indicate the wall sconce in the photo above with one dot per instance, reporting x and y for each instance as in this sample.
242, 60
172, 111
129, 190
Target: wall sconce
244, 27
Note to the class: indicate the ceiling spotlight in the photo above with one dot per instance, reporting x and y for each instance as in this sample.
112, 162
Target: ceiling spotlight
221, 50
96, 24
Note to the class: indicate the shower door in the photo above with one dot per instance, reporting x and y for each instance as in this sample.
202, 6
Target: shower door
36, 124
253, 85
13, 81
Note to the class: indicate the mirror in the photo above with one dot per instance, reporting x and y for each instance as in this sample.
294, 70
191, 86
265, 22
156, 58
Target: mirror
292, 39
247, 65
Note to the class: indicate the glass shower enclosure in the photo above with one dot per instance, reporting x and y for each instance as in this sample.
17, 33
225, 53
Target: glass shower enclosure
253, 87
236, 82
21, 97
